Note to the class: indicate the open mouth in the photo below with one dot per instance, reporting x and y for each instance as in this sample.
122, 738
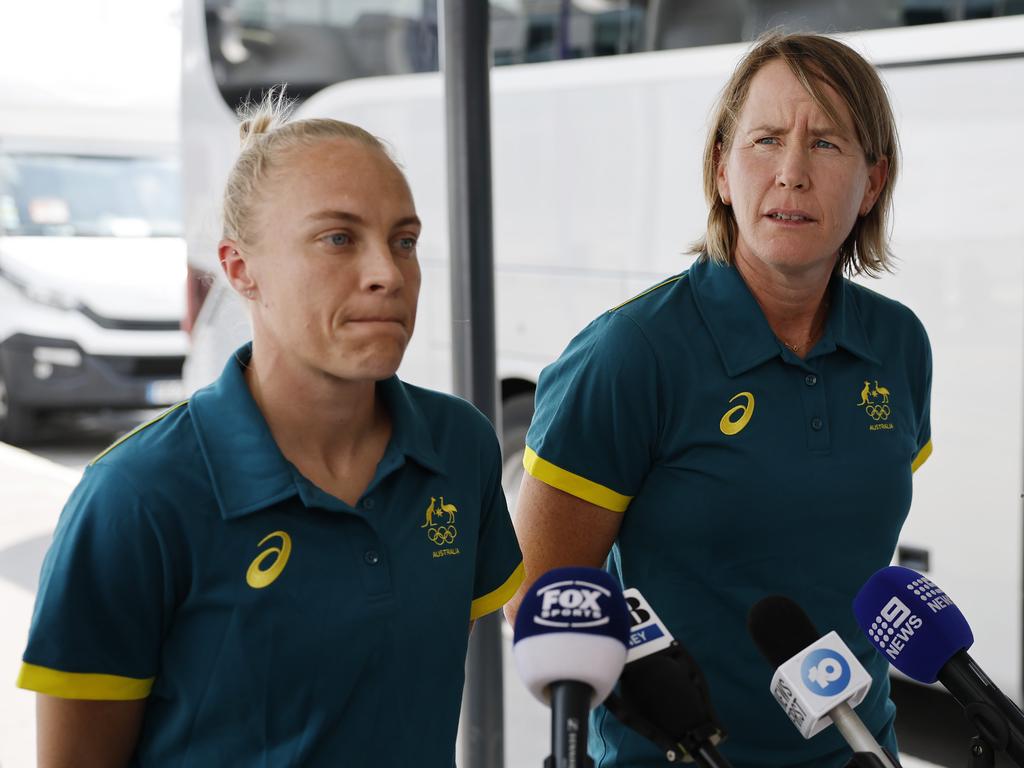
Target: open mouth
789, 217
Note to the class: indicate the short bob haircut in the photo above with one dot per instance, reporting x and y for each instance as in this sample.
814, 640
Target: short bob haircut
816, 61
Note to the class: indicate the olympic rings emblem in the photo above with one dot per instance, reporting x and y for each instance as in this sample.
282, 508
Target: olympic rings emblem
878, 412
442, 534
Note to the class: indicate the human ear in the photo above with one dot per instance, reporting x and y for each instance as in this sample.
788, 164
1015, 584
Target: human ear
877, 174
721, 176
235, 264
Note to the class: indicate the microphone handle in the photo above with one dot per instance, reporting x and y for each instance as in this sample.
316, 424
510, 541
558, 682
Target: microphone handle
999, 721
570, 710
857, 735
706, 756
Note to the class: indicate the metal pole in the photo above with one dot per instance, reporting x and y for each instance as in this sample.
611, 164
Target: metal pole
465, 63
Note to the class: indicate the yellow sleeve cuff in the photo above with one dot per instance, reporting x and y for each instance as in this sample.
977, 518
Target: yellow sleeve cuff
492, 601
79, 685
574, 484
922, 457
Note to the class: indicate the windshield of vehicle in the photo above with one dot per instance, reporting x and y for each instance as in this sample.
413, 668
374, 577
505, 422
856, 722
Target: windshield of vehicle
84, 196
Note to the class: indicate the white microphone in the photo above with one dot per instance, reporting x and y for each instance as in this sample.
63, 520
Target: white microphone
818, 680
570, 646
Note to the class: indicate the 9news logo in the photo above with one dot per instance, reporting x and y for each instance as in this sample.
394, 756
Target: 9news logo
825, 672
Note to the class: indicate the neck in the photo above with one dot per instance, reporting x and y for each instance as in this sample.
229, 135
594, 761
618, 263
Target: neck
794, 302
315, 418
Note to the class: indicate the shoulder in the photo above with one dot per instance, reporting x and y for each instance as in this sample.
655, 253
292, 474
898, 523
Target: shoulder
882, 315
633, 329
447, 413
166, 437
154, 466
661, 301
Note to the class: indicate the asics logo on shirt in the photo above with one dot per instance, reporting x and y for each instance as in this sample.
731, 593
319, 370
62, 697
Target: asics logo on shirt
258, 577
737, 417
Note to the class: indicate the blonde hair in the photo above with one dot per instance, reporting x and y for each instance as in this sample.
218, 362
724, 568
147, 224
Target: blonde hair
267, 134
816, 61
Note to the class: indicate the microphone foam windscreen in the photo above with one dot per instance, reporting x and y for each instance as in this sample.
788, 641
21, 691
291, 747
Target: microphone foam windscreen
573, 625
914, 624
780, 629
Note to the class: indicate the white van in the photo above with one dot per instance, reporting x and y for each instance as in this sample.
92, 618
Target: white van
92, 262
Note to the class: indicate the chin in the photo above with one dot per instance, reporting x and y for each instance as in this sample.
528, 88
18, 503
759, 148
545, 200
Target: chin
368, 365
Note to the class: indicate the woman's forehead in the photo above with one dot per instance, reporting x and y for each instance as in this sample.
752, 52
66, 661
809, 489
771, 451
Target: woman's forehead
776, 88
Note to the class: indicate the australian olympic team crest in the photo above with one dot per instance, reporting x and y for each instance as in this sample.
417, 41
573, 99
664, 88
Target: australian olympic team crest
874, 399
440, 525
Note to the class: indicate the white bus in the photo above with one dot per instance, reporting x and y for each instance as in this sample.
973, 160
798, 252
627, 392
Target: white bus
599, 113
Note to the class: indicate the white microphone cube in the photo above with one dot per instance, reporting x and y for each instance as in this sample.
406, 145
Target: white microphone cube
818, 679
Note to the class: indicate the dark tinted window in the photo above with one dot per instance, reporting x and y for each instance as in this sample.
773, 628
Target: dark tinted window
69, 195
311, 44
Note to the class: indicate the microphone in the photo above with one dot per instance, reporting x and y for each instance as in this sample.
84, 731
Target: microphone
663, 695
570, 646
922, 633
818, 680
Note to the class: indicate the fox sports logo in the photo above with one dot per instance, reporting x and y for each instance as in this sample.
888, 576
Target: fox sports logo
825, 672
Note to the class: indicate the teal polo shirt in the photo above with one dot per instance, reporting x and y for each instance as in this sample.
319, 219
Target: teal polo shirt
741, 471
267, 622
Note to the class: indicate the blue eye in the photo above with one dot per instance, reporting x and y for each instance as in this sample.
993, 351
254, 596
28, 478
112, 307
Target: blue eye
766, 141
338, 239
822, 144
407, 243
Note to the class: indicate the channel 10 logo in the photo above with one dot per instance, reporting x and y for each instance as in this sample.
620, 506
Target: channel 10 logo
825, 672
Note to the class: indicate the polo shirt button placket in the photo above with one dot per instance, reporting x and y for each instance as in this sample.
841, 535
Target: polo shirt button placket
816, 424
372, 557
810, 379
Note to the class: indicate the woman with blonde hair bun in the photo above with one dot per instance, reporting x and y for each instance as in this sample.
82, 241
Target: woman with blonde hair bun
284, 569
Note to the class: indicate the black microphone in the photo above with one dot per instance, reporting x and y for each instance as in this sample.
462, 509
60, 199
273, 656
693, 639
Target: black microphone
818, 680
663, 695
921, 632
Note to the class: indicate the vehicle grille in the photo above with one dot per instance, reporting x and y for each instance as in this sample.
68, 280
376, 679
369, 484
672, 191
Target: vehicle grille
116, 324
145, 367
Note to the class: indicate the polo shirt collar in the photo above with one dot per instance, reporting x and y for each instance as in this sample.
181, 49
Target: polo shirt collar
247, 470
740, 331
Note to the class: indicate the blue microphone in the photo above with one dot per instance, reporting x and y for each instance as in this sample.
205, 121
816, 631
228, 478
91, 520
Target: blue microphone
921, 632
571, 636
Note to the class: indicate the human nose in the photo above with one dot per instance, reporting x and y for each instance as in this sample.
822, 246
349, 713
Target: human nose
380, 271
792, 172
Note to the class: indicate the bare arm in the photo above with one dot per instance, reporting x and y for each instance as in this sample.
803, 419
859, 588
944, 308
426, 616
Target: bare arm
74, 733
556, 529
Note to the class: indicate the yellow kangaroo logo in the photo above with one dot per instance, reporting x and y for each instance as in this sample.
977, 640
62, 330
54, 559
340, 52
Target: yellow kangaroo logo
745, 410
436, 509
865, 394
258, 578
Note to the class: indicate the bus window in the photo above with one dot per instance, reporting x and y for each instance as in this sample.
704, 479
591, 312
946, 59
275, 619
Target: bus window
311, 44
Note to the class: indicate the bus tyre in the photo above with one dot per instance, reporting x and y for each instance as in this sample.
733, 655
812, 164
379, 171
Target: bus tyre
516, 414
16, 421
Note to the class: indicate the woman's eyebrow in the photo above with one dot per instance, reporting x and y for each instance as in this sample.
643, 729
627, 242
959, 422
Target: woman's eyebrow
332, 215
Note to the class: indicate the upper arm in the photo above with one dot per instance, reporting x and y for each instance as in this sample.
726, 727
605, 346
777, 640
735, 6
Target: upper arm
103, 603
591, 444
74, 733
498, 569
558, 529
